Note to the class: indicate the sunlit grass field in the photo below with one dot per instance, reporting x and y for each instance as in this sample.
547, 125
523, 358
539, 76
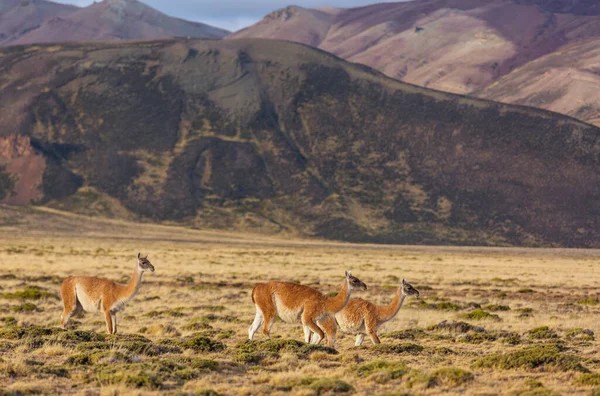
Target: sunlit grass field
489, 321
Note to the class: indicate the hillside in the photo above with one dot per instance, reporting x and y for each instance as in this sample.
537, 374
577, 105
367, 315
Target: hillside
459, 46
40, 21
17, 17
248, 135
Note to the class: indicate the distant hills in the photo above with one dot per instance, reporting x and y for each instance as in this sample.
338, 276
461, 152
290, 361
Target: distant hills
254, 135
538, 53
40, 21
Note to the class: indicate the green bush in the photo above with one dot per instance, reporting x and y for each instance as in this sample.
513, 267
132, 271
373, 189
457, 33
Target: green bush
479, 314
542, 333
398, 348
201, 343
393, 370
540, 357
589, 379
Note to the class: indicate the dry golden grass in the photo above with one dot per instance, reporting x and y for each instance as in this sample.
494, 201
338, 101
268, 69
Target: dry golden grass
201, 288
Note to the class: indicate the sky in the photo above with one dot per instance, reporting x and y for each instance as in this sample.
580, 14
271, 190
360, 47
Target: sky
231, 14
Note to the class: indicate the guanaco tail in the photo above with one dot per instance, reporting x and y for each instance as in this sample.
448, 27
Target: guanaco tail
295, 303
95, 294
362, 317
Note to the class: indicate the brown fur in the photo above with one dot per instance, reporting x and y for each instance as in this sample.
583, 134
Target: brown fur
294, 302
92, 293
363, 317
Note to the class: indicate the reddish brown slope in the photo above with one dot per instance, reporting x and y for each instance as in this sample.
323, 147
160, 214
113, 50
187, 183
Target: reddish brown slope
116, 19
17, 17
460, 46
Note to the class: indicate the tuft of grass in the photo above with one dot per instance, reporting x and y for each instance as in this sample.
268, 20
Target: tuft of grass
408, 348
580, 334
524, 312
25, 307
410, 334
255, 351
448, 376
439, 306
588, 379
200, 343
320, 386
542, 333
455, 327
29, 293
480, 314
385, 370
540, 357
496, 307
526, 291
588, 301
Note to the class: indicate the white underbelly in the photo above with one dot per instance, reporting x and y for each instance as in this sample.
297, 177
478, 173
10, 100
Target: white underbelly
286, 314
88, 304
349, 326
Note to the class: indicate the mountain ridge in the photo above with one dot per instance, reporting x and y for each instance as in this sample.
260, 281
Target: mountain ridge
242, 134
105, 20
458, 46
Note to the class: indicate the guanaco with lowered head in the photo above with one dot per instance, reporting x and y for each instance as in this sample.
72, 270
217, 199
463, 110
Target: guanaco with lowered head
360, 316
94, 294
295, 303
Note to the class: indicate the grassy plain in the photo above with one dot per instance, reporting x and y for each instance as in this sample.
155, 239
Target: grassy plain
489, 321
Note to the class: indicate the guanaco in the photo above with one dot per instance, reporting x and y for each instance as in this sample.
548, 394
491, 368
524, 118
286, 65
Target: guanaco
297, 303
360, 316
95, 294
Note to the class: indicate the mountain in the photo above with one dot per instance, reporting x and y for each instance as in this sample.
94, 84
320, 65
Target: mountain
17, 17
39, 21
459, 46
269, 136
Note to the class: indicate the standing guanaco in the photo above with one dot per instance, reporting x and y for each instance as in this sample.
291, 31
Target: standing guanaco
95, 294
295, 303
360, 316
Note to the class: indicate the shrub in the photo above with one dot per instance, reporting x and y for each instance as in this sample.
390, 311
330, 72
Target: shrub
456, 327
526, 291
589, 379
26, 307
580, 334
30, 293
542, 333
588, 301
393, 370
398, 348
320, 385
544, 357
524, 312
254, 351
479, 314
201, 343
410, 334
449, 376
495, 307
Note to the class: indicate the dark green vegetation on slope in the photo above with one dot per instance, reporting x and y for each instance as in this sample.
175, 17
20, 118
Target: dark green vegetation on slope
277, 136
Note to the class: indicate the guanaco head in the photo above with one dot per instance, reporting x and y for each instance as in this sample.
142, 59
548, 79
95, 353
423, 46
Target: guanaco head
408, 290
354, 282
144, 264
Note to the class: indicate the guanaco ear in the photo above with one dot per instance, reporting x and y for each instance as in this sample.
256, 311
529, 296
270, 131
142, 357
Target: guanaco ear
404, 281
139, 254
146, 257
348, 274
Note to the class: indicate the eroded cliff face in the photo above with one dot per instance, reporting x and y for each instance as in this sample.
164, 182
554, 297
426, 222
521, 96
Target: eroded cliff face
276, 136
21, 169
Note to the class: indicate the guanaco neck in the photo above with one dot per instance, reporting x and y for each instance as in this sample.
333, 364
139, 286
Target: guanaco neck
387, 312
337, 303
133, 286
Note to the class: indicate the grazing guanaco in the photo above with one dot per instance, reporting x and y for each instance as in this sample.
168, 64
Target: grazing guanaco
94, 294
360, 316
295, 303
